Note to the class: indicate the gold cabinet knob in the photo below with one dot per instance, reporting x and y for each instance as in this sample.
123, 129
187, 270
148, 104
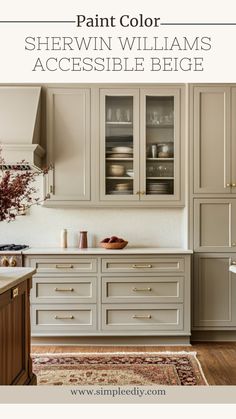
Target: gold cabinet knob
233, 262
233, 244
233, 184
137, 193
228, 185
15, 292
142, 193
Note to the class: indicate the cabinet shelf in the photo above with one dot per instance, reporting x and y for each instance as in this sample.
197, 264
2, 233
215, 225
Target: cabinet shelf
160, 158
119, 177
160, 178
120, 158
119, 123
159, 125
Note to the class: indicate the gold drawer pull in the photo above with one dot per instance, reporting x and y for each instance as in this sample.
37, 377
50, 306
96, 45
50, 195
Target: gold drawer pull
141, 266
15, 292
148, 316
64, 266
142, 289
64, 289
64, 317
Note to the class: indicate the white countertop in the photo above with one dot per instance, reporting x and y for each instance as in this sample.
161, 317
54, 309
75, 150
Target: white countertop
102, 251
10, 277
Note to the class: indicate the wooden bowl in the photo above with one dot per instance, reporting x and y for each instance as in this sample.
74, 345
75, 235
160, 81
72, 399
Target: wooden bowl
114, 246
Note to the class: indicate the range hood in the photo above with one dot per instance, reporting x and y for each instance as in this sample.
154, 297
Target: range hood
20, 127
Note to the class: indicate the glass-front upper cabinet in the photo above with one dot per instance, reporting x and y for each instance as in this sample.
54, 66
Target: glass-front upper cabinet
159, 145
140, 145
119, 147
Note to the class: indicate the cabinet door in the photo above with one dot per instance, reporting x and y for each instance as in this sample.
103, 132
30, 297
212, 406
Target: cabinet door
119, 144
211, 138
233, 117
214, 292
160, 145
14, 343
214, 225
69, 144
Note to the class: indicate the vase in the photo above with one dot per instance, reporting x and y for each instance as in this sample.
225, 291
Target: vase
83, 241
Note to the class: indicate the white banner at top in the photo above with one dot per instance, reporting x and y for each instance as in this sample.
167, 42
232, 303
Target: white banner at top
119, 41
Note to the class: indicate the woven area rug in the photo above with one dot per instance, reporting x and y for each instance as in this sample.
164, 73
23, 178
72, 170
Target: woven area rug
130, 368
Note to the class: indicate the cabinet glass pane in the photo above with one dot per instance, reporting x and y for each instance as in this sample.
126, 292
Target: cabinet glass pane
160, 145
119, 145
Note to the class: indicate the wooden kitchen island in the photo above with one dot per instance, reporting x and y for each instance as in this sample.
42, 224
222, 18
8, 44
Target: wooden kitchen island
15, 361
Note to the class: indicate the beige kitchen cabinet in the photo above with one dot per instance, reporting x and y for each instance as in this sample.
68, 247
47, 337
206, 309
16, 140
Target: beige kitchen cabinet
213, 206
215, 225
214, 292
110, 295
160, 151
140, 150
211, 139
214, 139
233, 133
119, 145
166, 317
68, 145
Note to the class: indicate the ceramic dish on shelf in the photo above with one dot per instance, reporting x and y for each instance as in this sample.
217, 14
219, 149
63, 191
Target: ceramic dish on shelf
114, 246
122, 149
120, 155
130, 172
116, 170
122, 186
165, 149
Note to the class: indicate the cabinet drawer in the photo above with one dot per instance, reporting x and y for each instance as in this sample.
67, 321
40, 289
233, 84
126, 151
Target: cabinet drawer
63, 317
142, 317
135, 265
142, 289
64, 290
68, 265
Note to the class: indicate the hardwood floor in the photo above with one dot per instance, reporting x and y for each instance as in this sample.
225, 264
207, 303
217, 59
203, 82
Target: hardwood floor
218, 360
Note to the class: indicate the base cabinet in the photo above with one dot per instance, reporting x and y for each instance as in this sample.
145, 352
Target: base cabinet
15, 361
214, 292
114, 296
146, 317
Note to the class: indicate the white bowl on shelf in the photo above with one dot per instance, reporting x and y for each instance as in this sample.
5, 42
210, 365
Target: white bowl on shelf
122, 149
116, 170
130, 172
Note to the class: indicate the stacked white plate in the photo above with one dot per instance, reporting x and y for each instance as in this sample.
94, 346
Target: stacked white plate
122, 189
158, 188
121, 152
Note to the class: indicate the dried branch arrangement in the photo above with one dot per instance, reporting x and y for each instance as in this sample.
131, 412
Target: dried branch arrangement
17, 190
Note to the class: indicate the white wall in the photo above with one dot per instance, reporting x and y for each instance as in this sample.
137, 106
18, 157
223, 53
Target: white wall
141, 227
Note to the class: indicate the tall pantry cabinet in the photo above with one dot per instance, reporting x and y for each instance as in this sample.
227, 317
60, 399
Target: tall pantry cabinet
213, 206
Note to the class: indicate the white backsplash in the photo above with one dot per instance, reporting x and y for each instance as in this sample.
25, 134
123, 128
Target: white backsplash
141, 227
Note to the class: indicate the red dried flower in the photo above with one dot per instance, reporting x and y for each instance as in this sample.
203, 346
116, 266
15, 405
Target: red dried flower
17, 192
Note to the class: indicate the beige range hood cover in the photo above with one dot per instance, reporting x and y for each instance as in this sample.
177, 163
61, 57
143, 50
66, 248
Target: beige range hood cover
20, 126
